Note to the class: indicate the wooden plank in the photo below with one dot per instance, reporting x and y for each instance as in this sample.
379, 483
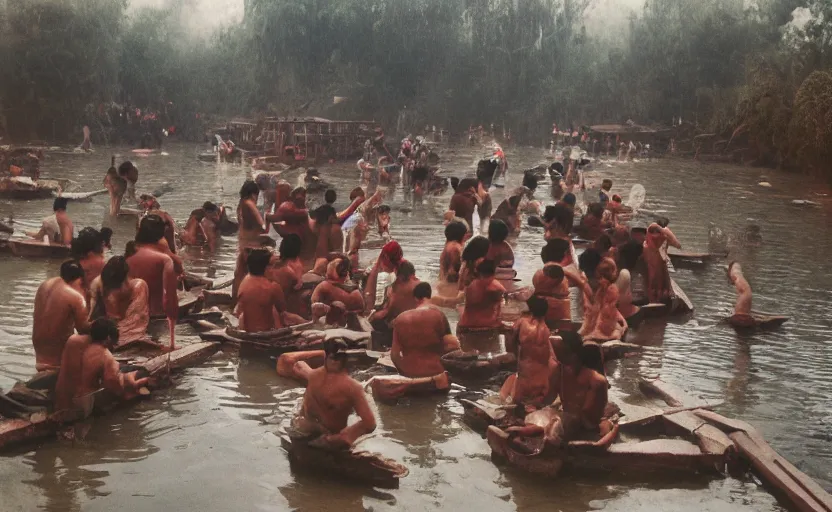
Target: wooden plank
685, 420
181, 357
714, 441
674, 396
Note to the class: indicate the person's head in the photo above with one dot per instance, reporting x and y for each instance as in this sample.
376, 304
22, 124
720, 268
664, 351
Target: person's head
212, 211
151, 229
391, 256
336, 356
590, 356
554, 272
257, 261
104, 331
338, 269
59, 204
606, 271
588, 261
476, 248
455, 231
455, 183
596, 210
298, 196
538, 307
570, 349
467, 185
654, 229
88, 241
529, 181
356, 193
606, 185
125, 168
405, 271
422, 292
114, 274
72, 273
290, 247
330, 196
603, 244
497, 231
616, 199
570, 199
486, 269
106, 237
324, 214
629, 254
554, 251
249, 190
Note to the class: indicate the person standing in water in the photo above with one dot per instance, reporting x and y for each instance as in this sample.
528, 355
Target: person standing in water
743, 305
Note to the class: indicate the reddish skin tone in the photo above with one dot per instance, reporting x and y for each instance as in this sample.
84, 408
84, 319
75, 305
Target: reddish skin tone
344, 215
287, 362
330, 293
251, 223
583, 394
288, 275
92, 264
65, 226
382, 264
658, 277
356, 238
328, 238
743, 304
117, 187
501, 253
602, 320
483, 303
87, 367
420, 337
535, 362
170, 228
450, 262
463, 204
60, 309
157, 270
260, 303
294, 215
556, 294
331, 397
399, 299
506, 213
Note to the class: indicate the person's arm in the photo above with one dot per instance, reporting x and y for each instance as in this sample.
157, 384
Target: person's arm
278, 299
209, 234
344, 215
81, 314
448, 302
254, 213
579, 280
595, 402
366, 422
370, 287
671, 238
319, 294
354, 301
169, 283
116, 382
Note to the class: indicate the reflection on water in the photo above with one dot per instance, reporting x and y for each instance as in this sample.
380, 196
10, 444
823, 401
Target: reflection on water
204, 444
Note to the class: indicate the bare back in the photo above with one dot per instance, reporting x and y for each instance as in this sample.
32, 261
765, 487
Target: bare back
59, 309
260, 302
418, 341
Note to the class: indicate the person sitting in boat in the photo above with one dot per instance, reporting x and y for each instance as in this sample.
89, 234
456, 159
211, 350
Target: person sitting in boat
130, 174
465, 200
286, 269
614, 208
117, 296
485, 176
628, 256
592, 223
202, 226
552, 282
742, 308
658, 275
499, 251
559, 219
88, 250
584, 388
116, 185
331, 397
250, 234
87, 365
260, 301
335, 298
421, 336
450, 261
324, 235
536, 362
389, 260
588, 263
483, 301
147, 262
398, 297
57, 228
602, 320
60, 310
357, 231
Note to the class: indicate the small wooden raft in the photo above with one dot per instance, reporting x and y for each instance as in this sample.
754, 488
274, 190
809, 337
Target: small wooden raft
756, 321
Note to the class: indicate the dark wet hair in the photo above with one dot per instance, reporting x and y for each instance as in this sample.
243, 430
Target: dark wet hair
572, 341
323, 214
588, 261
114, 273
106, 235
590, 357
343, 267
151, 229
257, 261
606, 184
382, 209
629, 254
290, 247
596, 209
561, 215
336, 349
71, 270
357, 192
129, 248
125, 168
466, 184
514, 201
88, 240
103, 329
405, 270
569, 199
475, 249
486, 268
663, 221
604, 243
59, 203
248, 189
538, 306
208, 206
422, 291
330, 196
554, 251
454, 183
497, 231
455, 231
554, 272
529, 181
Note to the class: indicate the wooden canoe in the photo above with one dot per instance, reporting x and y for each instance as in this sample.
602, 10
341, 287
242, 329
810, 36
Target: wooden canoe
19, 430
679, 304
357, 466
682, 259
280, 341
756, 321
35, 249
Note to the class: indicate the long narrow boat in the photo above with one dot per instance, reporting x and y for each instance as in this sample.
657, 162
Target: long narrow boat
756, 321
287, 339
35, 249
14, 431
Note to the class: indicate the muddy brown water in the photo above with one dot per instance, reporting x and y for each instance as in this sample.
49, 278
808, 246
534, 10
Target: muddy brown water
209, 443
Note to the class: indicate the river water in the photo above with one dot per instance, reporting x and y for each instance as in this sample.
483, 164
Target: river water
209, 442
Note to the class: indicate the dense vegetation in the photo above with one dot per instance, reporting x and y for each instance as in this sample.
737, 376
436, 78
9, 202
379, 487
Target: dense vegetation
730, 67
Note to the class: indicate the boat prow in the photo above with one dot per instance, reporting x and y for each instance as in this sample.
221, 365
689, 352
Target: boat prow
35, 249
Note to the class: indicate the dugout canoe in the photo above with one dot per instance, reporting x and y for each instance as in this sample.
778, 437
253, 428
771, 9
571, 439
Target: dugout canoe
756, 321
277, 342
679, 304
38, 425
34, 249
25, 188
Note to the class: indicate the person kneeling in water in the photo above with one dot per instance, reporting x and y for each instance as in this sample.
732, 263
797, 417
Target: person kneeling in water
333, 297
331, 397
483, 300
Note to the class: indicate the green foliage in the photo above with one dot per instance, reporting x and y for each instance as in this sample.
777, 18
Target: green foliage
811, 124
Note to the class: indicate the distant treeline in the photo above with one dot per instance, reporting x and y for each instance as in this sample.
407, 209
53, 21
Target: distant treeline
741, 70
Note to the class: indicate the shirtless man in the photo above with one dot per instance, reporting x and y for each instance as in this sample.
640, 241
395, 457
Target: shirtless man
421, 336
450, 260
333, 298
602, 320
58, 227
292, 216
325, 235
260, 301
499, 251
251, 222
465, 200
331, 397
584, 387
157, 269
287, 271
389, 259
399, 297
87, 365
552, 283
60, 309
743, 304
88, 251
508, 211
536, 358
592, 225
658, 276
203, 226
483, 300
